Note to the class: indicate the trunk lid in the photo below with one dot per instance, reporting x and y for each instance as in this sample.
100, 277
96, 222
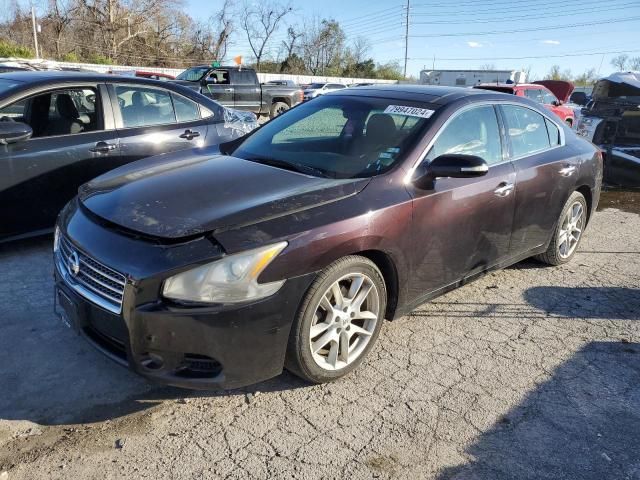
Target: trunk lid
560, 88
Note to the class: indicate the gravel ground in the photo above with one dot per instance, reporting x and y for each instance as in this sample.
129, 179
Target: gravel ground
531, 372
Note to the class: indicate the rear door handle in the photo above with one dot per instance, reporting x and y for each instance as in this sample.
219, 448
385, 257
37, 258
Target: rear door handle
567, 171
190, 134
503, 189
103, 147
228, 89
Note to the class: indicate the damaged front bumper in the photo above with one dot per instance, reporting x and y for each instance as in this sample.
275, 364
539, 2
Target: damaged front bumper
198, 347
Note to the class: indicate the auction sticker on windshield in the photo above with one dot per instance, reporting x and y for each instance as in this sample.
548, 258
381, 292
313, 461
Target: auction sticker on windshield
410, 111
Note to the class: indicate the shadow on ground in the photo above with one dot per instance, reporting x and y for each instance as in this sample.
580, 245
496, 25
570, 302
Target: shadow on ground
611, 303
583, 423
50, 375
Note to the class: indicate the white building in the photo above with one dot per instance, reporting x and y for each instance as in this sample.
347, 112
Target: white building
469, 78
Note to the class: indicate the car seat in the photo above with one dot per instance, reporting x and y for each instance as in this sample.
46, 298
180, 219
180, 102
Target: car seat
69, 121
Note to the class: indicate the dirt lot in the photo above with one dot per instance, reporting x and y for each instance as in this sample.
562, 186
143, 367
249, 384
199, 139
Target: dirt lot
531, 372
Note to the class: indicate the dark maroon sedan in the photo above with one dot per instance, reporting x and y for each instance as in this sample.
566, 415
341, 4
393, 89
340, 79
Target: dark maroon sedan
290, 248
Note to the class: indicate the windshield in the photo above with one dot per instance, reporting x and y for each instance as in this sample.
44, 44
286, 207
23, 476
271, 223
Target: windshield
339, 136
193, 74
316, 86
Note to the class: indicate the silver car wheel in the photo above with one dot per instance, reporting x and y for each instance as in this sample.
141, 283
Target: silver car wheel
571, 230
344, 321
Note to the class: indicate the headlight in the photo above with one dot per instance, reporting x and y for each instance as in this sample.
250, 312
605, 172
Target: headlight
231, 279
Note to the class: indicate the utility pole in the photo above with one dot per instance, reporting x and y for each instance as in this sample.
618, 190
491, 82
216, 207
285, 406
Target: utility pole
35, 31
406, 38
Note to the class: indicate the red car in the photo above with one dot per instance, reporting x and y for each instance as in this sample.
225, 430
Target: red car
553, 94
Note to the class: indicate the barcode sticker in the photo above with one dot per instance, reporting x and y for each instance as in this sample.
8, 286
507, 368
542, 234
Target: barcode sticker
409, 111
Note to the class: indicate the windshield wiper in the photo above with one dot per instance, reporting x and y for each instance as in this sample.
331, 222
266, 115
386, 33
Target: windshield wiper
294, 167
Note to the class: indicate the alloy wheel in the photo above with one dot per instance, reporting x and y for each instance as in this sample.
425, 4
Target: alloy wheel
344, 321
571, 230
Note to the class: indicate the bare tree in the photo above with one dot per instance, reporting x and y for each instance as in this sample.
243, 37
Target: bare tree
259, 22
59, 16
621, 61
488, 66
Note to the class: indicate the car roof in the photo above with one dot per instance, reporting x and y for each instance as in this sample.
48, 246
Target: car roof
425, 93
44, 76
511, 85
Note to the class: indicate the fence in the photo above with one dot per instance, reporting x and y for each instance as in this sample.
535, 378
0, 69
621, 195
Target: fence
263, 77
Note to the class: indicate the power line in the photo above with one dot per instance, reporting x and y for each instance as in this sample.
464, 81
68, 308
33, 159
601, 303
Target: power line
535, 29
527, 58
526, 17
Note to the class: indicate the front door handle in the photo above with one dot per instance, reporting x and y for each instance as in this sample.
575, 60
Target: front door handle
503, 189
567, 171
228, 89
190, 134
103, 147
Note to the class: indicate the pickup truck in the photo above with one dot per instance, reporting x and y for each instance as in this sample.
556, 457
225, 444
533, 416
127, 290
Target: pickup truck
239, 88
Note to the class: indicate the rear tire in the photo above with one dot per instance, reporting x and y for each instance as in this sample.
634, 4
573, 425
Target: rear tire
338, 322
568, 233
278, 108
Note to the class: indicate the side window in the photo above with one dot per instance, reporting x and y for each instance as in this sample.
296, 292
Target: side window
186, 110
554, 133
323, 124
219, 76
142, 107
245, 78
14, 112
548, 98
473, 132
534, 94
527, 130
58, 112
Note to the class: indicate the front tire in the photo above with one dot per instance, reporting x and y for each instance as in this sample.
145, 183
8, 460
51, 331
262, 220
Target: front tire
338, 322
568, 232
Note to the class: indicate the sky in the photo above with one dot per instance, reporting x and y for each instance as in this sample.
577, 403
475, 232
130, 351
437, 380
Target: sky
467, 34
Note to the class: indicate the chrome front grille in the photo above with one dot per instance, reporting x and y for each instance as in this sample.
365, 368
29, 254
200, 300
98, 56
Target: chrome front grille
90, 278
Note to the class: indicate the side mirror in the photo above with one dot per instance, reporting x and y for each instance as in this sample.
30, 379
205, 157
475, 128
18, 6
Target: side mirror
450, 165
12, 132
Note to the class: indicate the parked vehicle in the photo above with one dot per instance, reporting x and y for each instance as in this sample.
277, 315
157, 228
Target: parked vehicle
317, 89
553, 94
612, 121
239, 88
291, 248
60, 129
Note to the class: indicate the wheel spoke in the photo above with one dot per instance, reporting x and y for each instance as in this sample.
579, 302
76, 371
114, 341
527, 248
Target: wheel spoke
318, 328
332, 358
356, 284
337, 295
362, 296
325, 303
322, 341
366, 315
355, 329
344, 347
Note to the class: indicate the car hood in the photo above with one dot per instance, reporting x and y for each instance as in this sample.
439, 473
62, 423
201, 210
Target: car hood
178, 196
560, 88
